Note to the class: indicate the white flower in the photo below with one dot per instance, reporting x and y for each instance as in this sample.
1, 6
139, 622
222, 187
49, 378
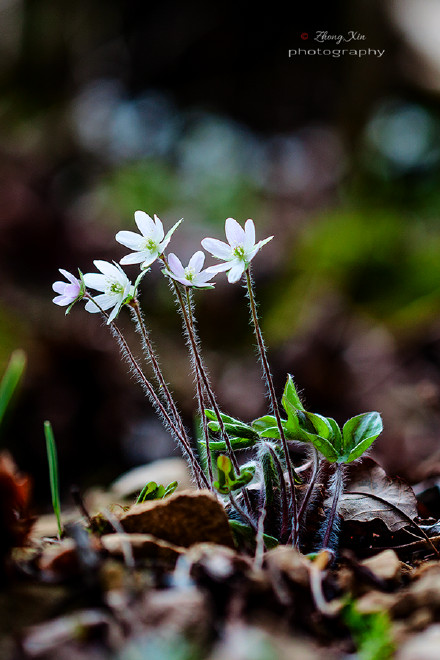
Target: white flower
70, 291
192, 275
114, 284
149, 244
240, 251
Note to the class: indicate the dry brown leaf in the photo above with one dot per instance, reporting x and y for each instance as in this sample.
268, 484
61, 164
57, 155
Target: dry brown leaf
143, 546
183, 519
368, 477
386, 565
15, 490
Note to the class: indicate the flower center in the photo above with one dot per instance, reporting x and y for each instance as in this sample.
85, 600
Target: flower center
151, 245
189, 274
239, 252
115, 287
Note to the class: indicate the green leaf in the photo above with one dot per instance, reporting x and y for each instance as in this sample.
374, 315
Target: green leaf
153, 491
236, 443
226, 419
361, 429
226, 475
360, 449
227, 481
324, 446
336, 437
53, 473
242, 532
263, 423
11, 378
148, 492
291, 395
300, 421
272, 432
169, 490
320, 424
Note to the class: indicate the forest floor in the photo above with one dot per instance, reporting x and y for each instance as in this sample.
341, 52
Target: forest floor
165, 579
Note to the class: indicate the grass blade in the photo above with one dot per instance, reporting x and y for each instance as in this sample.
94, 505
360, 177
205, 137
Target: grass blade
53, 473
11, 378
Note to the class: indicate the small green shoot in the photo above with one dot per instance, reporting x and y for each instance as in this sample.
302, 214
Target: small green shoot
11, 378
53, 473
227, 480
152, 491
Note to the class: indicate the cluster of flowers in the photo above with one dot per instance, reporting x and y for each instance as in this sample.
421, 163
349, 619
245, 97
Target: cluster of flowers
148, 246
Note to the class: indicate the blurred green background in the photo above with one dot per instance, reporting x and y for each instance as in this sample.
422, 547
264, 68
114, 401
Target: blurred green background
196, 110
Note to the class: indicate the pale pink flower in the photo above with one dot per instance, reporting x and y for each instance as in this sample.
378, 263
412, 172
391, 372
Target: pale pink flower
238, 252
115, 286
70, 291
149, 244
192, 275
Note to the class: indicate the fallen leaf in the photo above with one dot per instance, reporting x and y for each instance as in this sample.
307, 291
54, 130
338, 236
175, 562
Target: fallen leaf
368, 477
15, 489
386, 565
143, 546
183, 519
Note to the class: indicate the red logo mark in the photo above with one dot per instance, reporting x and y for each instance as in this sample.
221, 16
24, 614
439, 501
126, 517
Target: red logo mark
304, 36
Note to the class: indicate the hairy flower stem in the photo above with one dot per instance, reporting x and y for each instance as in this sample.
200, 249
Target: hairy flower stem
271, 390
242, 513
152, 359
199, 387
310, 487
200, 369
337, 488
201, 372
156, 402
283, 492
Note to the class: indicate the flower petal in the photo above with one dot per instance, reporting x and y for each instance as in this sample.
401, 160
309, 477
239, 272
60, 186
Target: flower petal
257, 248
91, 307
72, 279
236, 272
61, 300
115, 311
130, 239
176, 265
249, 235
202, 278
59, 287
234, 233
149, 258
104, 301
158, 233
110, 270
182, 280
95, 281
196, 262
146, 225
220, 268
134, 258
217, 248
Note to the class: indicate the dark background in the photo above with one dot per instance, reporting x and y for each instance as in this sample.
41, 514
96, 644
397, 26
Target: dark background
196, 110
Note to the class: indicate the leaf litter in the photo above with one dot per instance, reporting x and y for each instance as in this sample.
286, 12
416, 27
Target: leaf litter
162, 579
